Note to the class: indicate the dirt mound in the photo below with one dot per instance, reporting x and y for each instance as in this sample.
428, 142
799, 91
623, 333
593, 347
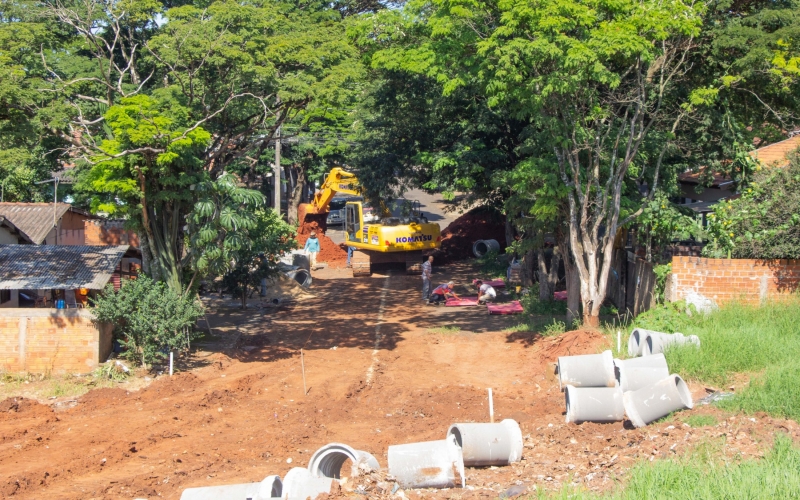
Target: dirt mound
480, 223
571, 344
329, 252
284, 288
101, 397
23, 407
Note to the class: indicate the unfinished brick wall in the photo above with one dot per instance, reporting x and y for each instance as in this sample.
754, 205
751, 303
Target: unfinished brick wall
708, 283
109, 232
51, 341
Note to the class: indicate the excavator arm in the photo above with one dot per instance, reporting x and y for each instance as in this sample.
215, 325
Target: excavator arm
337, 181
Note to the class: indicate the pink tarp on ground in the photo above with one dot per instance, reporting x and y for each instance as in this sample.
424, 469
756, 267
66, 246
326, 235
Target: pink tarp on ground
560, 295
463, 301
493, 283
512, 307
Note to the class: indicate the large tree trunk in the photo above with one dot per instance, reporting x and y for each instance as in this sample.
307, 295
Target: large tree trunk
572, 278
296, 193
509, 232
545, 287
527, 273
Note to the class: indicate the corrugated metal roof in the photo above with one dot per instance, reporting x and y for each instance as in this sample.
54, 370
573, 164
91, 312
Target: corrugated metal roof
35, 220
58, 267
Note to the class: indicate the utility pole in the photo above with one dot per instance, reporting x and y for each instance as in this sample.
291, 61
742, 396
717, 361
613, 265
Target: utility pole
277, 173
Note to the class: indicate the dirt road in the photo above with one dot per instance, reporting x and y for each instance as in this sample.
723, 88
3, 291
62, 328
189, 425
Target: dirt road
380, 369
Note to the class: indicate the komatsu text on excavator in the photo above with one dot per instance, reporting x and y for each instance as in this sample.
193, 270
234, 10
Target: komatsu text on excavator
394, 239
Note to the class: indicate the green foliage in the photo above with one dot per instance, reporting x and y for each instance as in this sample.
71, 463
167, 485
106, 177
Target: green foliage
661, 271
764, 223
774, 392
532, 305
111, 371
554, 328
149, 318
493, 265
737, 338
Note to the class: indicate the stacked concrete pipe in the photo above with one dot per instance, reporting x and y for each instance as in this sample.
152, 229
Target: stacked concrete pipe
636, 373
270, 487
636, 341
594, 404
432, 464
328, 460
488, 444
588, 370
655, 343
657, 400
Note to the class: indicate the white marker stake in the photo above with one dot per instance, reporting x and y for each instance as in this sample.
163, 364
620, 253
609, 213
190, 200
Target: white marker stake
619, 341
491, 407
170, 363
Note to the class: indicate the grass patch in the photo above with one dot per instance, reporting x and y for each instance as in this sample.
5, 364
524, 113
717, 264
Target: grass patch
445, 329
532, 305
735, 339
554, 328
775, 392
701, 420
705, 475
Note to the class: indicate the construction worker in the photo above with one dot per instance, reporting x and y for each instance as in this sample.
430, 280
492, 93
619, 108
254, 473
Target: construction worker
486, 292
441, 293
312, 249
427, 270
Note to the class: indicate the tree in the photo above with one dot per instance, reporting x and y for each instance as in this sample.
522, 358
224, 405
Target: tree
231, 236
149, 318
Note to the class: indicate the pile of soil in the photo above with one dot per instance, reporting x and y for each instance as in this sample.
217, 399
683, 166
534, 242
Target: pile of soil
283, 288
329, 252
482, 223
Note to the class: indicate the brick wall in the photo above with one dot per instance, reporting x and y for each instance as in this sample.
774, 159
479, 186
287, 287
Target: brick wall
708, 283
52, 340
109, 232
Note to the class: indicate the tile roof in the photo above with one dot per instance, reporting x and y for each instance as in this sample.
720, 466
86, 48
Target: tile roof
58, 267
777, 154
34, 220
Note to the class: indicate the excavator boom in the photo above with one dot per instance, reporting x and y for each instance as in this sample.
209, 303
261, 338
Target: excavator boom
337, 181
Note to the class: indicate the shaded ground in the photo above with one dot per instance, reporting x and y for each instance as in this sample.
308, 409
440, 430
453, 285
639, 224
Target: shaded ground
376, 374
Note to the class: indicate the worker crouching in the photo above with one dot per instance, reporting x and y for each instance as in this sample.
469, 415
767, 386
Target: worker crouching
486, 292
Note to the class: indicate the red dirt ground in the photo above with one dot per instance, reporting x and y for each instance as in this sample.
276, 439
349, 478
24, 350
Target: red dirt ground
239, 416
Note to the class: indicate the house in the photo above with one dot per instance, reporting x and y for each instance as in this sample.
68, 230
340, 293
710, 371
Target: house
44, 324
776, 155
42, 224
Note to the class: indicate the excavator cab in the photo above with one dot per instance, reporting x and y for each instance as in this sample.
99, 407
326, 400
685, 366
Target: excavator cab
353, 221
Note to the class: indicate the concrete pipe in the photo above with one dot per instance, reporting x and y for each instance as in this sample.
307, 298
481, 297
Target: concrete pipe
301, 276
432, 464
588, 370
328, 460
636, 373
636, 341
655, 343
482, 247
594, 404
488, 444
270, 487
300, 483
657, 400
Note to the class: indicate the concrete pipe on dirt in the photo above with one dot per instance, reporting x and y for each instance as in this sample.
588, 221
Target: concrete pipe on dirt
300, 483
636, 340
635, 373
432, 464
301, 276
328, 460
482, 247
594, 404
270, 487
655, 343
657, 400
488, 444
587, 370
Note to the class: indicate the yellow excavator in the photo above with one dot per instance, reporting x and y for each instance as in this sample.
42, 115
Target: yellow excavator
394, 239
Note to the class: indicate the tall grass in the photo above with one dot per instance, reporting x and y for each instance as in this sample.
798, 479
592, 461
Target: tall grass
775, 392
735, 339
703, 475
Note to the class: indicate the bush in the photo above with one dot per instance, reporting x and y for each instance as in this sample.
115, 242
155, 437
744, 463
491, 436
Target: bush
149, 318
764, 223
